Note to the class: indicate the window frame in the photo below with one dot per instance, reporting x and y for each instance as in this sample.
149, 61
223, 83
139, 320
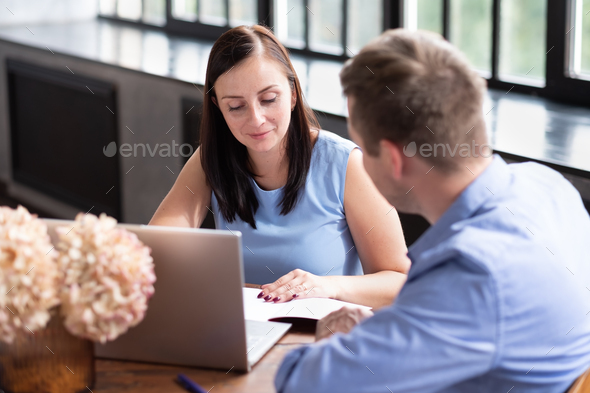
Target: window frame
206, 31
559, 85
391, 19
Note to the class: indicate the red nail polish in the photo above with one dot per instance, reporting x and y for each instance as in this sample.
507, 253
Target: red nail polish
276, 299
260, 294
267, 298
295, 295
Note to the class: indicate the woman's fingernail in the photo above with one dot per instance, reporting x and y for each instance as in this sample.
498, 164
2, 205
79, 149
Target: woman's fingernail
267, 298
260, 294
295, 295
276, 299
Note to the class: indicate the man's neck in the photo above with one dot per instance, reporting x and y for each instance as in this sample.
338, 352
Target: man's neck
436, 194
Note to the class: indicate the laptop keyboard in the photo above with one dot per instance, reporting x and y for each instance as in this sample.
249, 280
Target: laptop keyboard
251, 341
256, 332
261, 336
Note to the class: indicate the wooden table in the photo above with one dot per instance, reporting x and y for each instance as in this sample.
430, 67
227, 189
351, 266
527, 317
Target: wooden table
123, 376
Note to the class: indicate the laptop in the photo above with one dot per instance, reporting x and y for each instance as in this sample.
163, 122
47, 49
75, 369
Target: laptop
196, 315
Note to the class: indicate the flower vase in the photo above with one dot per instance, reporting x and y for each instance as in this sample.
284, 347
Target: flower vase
50, 360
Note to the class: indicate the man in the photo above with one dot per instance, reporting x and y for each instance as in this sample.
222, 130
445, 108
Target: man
497, 295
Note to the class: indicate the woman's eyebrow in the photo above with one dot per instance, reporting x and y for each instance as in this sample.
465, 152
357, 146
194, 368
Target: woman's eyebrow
261, 91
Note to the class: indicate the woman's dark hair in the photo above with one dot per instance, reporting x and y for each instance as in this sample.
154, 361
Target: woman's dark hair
223, 158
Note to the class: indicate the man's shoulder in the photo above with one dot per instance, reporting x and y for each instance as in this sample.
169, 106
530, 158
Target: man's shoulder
474, 246
535, 181
515, 237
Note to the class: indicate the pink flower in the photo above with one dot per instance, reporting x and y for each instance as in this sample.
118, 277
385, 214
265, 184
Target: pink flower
28, 273
109, 276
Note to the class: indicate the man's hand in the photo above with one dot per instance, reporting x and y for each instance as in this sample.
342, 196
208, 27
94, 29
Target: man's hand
342, 321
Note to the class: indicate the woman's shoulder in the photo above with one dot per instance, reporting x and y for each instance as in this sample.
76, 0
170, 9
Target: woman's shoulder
331, 153
332, 144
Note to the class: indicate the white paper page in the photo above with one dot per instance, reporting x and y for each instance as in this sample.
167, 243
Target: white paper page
312, 308
257, 309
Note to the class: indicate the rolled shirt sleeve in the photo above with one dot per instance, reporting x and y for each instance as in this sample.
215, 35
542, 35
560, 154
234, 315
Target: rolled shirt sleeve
441, 330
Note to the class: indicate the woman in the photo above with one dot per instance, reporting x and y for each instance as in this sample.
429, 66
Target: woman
305, 206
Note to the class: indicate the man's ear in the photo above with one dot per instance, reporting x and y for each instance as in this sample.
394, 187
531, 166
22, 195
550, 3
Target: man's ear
393, 157
215, 101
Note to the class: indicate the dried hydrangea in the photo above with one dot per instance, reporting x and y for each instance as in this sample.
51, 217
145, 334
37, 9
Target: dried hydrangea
108, 277
28, 273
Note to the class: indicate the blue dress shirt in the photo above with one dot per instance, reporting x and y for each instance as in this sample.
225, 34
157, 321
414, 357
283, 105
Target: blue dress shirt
497, 300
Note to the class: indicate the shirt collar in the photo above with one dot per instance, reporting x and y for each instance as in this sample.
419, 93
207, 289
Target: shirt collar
487, 185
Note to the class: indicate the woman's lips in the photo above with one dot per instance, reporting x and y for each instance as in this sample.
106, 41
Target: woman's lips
259, 136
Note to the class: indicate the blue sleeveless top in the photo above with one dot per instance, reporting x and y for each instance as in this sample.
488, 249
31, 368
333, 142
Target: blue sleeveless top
314, 236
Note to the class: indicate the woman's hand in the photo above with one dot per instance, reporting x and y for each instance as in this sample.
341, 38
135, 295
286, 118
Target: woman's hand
298, 284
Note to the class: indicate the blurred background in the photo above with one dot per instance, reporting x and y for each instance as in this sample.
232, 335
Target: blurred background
78, 75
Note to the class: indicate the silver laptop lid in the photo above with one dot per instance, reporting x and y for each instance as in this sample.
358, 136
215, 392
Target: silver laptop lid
196, 315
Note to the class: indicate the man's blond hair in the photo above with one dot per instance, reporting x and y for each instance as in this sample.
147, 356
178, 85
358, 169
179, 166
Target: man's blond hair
415, 87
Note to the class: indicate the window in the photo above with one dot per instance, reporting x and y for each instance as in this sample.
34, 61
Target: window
325, 26
242, 12
213, 12
107, 7
205, 11
532, 46
289, 20
337, 28
203, 18
130, 9
579, 62
154, 12
151, 12
523, 41
184, 10
471, 32
331, 27
365, 22
424, 15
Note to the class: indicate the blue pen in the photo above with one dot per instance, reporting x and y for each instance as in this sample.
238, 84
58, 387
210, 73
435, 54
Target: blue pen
189, 384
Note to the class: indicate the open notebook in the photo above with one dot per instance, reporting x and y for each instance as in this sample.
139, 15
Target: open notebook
311, 308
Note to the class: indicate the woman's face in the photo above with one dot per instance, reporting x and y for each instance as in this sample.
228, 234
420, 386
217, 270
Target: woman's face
256, 100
